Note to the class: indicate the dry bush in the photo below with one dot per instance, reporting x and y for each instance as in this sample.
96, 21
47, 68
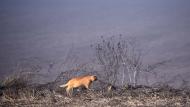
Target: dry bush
17, 80
122, 60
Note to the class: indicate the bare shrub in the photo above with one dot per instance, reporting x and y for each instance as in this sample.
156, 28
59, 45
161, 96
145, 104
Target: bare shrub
121, 56
116, 53
17, 80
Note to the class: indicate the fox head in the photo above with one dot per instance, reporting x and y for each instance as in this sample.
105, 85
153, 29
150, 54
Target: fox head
94, 78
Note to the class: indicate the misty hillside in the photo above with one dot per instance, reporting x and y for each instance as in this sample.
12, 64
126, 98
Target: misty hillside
48, 31
138, 50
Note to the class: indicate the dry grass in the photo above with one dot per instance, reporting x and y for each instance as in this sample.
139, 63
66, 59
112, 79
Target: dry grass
17, 91
139, 97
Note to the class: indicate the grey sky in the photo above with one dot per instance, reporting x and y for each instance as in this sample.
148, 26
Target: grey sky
44, 28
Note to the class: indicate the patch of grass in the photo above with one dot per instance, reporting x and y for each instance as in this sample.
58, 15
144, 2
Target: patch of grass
17, 90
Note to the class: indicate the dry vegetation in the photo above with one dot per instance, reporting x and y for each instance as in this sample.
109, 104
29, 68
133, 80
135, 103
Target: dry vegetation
17, 92
117, 58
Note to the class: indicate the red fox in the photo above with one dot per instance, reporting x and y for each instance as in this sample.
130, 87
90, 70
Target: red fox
78, 82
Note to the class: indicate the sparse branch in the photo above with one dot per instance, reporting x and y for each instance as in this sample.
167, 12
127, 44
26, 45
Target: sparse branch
114, 53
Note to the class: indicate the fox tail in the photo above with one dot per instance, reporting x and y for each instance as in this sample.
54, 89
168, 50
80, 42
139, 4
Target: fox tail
64, 85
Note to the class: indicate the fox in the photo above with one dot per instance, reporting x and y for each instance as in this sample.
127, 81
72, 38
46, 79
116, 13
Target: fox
81, 81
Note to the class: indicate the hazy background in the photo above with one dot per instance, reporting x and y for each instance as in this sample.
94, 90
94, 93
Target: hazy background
47, 29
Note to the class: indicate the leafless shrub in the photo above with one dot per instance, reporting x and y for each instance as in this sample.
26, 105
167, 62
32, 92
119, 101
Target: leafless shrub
116, 53
122, 56
17, 80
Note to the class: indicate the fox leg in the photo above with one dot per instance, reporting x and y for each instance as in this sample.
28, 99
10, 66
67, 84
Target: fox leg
69, 91
87, 86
